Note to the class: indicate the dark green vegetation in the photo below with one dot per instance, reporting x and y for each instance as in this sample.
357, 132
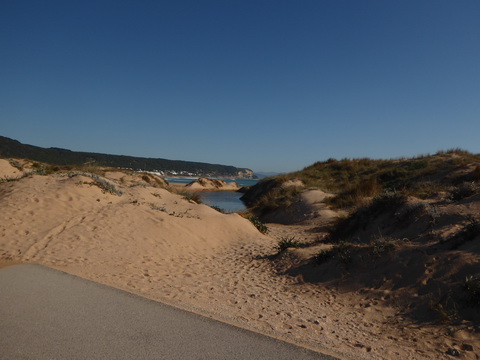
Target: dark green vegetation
258, 224
353, 180
13, 149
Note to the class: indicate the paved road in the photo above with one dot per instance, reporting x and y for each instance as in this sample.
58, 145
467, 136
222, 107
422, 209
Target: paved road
47, 314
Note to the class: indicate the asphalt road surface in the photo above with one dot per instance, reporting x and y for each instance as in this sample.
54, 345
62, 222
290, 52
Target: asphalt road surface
48, 314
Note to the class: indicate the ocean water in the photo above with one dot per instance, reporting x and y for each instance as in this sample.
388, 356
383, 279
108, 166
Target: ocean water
229, 201
183, 180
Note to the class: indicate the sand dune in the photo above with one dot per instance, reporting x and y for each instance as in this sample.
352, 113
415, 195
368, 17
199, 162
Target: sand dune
127, 232
211, 184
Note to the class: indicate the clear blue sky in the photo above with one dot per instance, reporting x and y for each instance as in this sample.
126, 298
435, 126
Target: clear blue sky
267, 84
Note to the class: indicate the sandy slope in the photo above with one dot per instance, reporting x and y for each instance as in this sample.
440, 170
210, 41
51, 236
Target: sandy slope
154, 243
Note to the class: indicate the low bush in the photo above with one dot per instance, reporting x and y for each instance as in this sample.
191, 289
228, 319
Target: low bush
464, 190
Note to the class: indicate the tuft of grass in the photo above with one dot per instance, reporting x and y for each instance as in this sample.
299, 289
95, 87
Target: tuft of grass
160, 208
343, 252
258, 224
323, 256
381, 246
412, 212
287, 242
219, 209
446, 310
16, 164
191, 196
105, 186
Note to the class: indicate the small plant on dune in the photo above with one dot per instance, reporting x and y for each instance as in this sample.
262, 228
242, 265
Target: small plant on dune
323, 256
160, 208
382, 246
388, 200
219, 209
343, 252
259, 224
191, 196
444, 307
16, 165
471, 286
412, 212
104, 185
287, 242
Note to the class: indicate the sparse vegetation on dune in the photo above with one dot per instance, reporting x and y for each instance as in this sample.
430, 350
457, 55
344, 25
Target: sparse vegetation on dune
411, 230
97, 173
353, 181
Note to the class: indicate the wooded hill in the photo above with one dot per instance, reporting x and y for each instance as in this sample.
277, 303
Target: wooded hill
10, 148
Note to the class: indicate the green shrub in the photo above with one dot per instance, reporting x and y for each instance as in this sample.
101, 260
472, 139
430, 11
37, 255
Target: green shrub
287, 242
258, 224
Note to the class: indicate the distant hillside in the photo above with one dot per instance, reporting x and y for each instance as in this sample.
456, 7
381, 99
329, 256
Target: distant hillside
10, 148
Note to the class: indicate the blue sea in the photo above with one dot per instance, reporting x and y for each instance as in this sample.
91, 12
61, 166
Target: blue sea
229, 201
